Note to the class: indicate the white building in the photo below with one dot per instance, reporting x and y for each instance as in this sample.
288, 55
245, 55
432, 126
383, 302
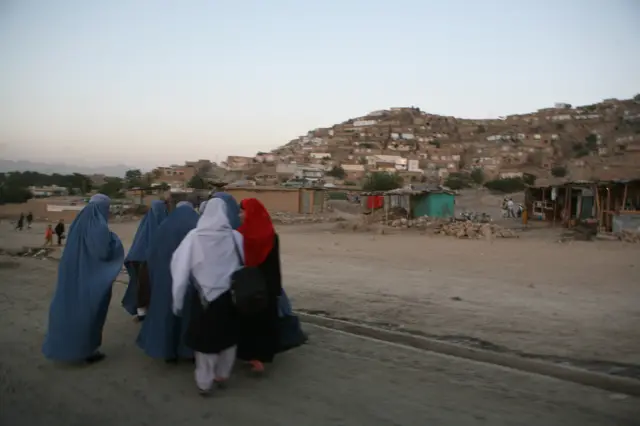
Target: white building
362, 123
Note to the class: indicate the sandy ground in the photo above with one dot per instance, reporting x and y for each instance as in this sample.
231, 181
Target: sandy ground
575, 300
336, 379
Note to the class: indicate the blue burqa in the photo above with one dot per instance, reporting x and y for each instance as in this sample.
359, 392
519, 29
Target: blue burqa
138, 251
91, 261
162, 333
233, 209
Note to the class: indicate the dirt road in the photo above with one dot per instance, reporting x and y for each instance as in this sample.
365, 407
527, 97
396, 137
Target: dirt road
337, 379
576, 301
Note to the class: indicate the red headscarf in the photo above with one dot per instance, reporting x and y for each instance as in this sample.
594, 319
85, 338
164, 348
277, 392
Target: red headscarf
258, 232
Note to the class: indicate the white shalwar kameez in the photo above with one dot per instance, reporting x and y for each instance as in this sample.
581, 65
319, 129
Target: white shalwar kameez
209, 253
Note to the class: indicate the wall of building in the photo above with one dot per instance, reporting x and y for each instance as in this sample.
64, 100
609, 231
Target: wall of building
440, 205
275, 200
38, 207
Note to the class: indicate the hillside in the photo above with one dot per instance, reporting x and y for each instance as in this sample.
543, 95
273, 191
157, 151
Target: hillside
591, 141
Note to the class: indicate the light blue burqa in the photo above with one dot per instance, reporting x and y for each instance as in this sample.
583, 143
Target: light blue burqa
138, 251
162, 333
91, 261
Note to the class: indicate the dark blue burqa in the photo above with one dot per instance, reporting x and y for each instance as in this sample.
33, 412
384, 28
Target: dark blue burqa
138, 251
91, 261
162, 333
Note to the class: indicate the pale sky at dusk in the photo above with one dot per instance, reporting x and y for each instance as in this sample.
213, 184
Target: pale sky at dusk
151, 82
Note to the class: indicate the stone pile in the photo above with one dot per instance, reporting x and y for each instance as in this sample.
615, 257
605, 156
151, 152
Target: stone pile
422, 222
473, 230
629, 236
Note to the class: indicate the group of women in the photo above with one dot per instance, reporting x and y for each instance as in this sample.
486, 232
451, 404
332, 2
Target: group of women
181, 267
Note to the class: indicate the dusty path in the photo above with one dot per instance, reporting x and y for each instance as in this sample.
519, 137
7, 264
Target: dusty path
335, 380
577, 301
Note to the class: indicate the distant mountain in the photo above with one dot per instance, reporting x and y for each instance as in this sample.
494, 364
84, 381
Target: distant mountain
65, 169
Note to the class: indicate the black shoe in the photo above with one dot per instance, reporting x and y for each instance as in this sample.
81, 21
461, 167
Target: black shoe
173, 361
96, 357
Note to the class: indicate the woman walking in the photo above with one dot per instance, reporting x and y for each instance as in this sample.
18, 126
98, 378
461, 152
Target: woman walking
162, 335
207, 258
136, 298
90, 263
258, 333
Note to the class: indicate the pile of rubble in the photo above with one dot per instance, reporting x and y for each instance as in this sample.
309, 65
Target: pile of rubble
629, 236
473, 230
422, 222
455, 228
37, 252
283, 218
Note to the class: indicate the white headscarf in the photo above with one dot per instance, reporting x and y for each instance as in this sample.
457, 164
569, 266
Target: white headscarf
210, 253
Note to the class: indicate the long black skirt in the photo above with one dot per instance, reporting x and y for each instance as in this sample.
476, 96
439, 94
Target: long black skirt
258, 335
212, 329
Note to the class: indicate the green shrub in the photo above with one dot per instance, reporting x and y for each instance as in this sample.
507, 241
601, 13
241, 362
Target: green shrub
507, 185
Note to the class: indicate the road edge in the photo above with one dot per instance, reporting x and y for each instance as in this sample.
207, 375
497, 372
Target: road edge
571, 374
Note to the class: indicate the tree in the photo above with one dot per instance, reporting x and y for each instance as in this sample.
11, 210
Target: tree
337, 172
27, 179
112, 187
457, 181
382, 181
637, 97
507, 185
592, 142
477, 175
133, 178
13, 194
197, 182
529, 179
559, 171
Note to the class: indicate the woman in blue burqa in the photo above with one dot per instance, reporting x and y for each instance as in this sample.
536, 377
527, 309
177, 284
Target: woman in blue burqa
90, 263
162, 333
136, 298
290, 332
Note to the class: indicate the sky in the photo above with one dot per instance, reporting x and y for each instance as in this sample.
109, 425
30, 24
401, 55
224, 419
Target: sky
152, 82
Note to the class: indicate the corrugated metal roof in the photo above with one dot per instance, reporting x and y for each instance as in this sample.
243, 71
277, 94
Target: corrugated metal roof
415, 190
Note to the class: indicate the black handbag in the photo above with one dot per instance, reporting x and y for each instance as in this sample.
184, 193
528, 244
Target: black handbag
248, 288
